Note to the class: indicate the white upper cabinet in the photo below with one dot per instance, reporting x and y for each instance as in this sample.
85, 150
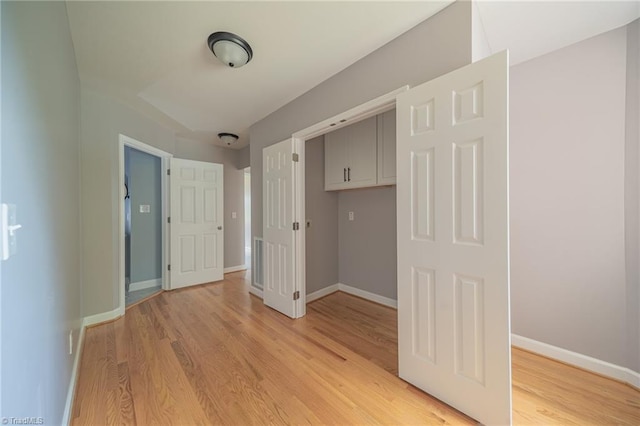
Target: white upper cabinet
362, 154
335, 163
350, 156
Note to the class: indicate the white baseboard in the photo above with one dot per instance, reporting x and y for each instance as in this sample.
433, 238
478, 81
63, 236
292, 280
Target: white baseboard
105, 316
256, 292
583, 361
73, 381
322, 292
141, 285
235, 268
353, 291
368, 295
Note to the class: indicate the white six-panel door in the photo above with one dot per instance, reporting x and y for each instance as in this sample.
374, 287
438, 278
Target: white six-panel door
197, 235
278, 234
453, 239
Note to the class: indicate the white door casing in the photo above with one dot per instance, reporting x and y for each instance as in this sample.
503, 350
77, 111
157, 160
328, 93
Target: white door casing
278, 198
197, 235
453, 239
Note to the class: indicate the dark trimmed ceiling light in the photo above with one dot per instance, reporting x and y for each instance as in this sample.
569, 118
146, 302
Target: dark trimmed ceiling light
228, 138
231, 49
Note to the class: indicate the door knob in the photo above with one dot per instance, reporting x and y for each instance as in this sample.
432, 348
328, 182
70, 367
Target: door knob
219, 228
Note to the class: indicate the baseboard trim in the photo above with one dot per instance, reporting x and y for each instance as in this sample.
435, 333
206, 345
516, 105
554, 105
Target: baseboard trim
322, 292
369, 296
585, 362
141, 285
73, 381
103, 317
256, 292
372, 297
235, 268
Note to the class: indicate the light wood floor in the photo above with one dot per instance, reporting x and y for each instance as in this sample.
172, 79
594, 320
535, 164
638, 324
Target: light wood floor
215, 355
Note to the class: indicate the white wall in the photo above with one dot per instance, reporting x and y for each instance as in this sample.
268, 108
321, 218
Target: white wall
41, 291
567, 155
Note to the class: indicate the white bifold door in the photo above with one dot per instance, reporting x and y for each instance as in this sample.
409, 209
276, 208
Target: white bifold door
278, 199
197, 235
453, 239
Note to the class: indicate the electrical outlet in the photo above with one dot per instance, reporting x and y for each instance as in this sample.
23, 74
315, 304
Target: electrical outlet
70, 342
351, 217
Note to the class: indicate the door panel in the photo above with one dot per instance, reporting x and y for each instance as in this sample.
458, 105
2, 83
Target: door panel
278, 235
197, 239
453, 239
336, 158
361, 170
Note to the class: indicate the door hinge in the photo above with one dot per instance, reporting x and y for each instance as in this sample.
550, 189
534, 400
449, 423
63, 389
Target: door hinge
296, 157
168, 267
169, 219
296, 226
168, 172
296, 295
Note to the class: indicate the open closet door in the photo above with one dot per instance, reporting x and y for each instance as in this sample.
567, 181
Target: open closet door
453, 239
197, 237
278, 200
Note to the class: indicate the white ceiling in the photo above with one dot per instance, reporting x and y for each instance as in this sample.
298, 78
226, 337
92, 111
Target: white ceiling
532, 28
154, 57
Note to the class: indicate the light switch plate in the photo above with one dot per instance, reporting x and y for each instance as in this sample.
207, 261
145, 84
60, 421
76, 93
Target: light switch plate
8, 230
234, 215
145, 208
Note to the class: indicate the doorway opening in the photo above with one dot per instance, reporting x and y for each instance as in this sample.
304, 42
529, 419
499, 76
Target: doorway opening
247, 218
142, 211
143, 224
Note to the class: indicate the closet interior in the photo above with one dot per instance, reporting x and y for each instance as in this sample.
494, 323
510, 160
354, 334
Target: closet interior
350, 203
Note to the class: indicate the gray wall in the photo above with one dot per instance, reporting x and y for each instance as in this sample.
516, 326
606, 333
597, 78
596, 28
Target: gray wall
244, 158
359, 253
432, 48
102, 120
233, 193
632, 194
322, 210
146, 228
41, 291
367, 245
567, 199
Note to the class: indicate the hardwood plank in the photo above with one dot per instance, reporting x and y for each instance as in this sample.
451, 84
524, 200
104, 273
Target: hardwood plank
213, 354
127, 410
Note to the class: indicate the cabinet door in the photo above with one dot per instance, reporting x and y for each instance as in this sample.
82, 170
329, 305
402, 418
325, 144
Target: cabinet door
335, 159
387, 148
361, 170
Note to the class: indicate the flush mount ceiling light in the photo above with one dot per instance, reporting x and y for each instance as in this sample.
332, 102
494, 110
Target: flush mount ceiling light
228, 138
231, 49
